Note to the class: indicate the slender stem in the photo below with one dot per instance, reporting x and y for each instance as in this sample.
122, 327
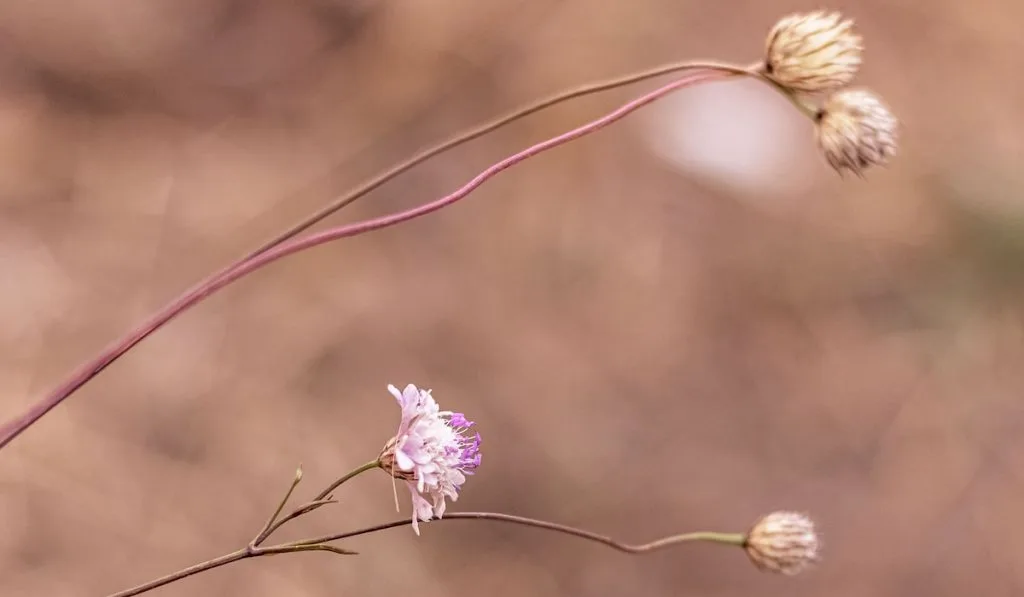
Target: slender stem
15, 426
269, 526
321, 500
369, 466
735, 539
482, 130
83, 374
321, 543
288, 548
224, 560
272, 524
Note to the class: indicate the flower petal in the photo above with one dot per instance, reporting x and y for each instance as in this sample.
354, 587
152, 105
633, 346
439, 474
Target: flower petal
403, 461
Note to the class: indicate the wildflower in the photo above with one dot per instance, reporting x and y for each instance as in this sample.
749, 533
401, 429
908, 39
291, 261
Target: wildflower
856, 130
432, 452
813, 52
783, 542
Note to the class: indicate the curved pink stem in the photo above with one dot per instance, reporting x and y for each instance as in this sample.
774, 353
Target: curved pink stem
211, 284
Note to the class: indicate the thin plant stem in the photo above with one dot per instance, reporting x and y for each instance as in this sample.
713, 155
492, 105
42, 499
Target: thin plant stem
369, 466
253, 549
480, 131
735, 539
223, 560
321, 544
119, 348
269, 526
322, 499
235, 556
14, 427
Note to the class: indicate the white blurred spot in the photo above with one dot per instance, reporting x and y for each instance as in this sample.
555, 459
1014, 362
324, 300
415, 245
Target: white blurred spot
737, 134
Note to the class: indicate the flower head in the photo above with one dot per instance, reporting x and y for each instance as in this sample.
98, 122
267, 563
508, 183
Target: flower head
783, 542
813, 52
856, 130
432, 452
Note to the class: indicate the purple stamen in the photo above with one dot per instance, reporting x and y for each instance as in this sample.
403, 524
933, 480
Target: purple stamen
470, 457
459, 420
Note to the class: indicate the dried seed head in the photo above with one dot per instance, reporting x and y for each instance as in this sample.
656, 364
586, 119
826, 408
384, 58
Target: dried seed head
783, 542
386, 461
813, 52
856, 131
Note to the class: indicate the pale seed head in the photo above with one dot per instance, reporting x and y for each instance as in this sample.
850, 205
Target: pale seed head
856, 131
813, 52
783, 542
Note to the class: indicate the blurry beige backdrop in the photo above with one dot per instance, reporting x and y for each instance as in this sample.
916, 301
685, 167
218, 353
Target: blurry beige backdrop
680, 323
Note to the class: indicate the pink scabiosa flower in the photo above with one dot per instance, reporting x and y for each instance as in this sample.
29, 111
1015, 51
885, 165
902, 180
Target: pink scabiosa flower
432, 452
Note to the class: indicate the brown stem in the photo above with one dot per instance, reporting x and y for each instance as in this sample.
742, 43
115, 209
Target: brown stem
322, 499
230, 558
736, 539
224, 560
480, 131
14, 427
321, 544
269, 526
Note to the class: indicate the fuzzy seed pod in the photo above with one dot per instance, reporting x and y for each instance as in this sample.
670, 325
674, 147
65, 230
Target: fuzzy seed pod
783, 542
814, 52
856, 131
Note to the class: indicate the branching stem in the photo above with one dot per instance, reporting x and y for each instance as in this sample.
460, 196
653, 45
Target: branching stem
322, 543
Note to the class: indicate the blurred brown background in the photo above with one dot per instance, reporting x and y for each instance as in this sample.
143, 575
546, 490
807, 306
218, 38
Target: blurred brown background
680, 323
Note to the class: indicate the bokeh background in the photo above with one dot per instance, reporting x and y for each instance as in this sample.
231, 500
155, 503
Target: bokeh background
680, 323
